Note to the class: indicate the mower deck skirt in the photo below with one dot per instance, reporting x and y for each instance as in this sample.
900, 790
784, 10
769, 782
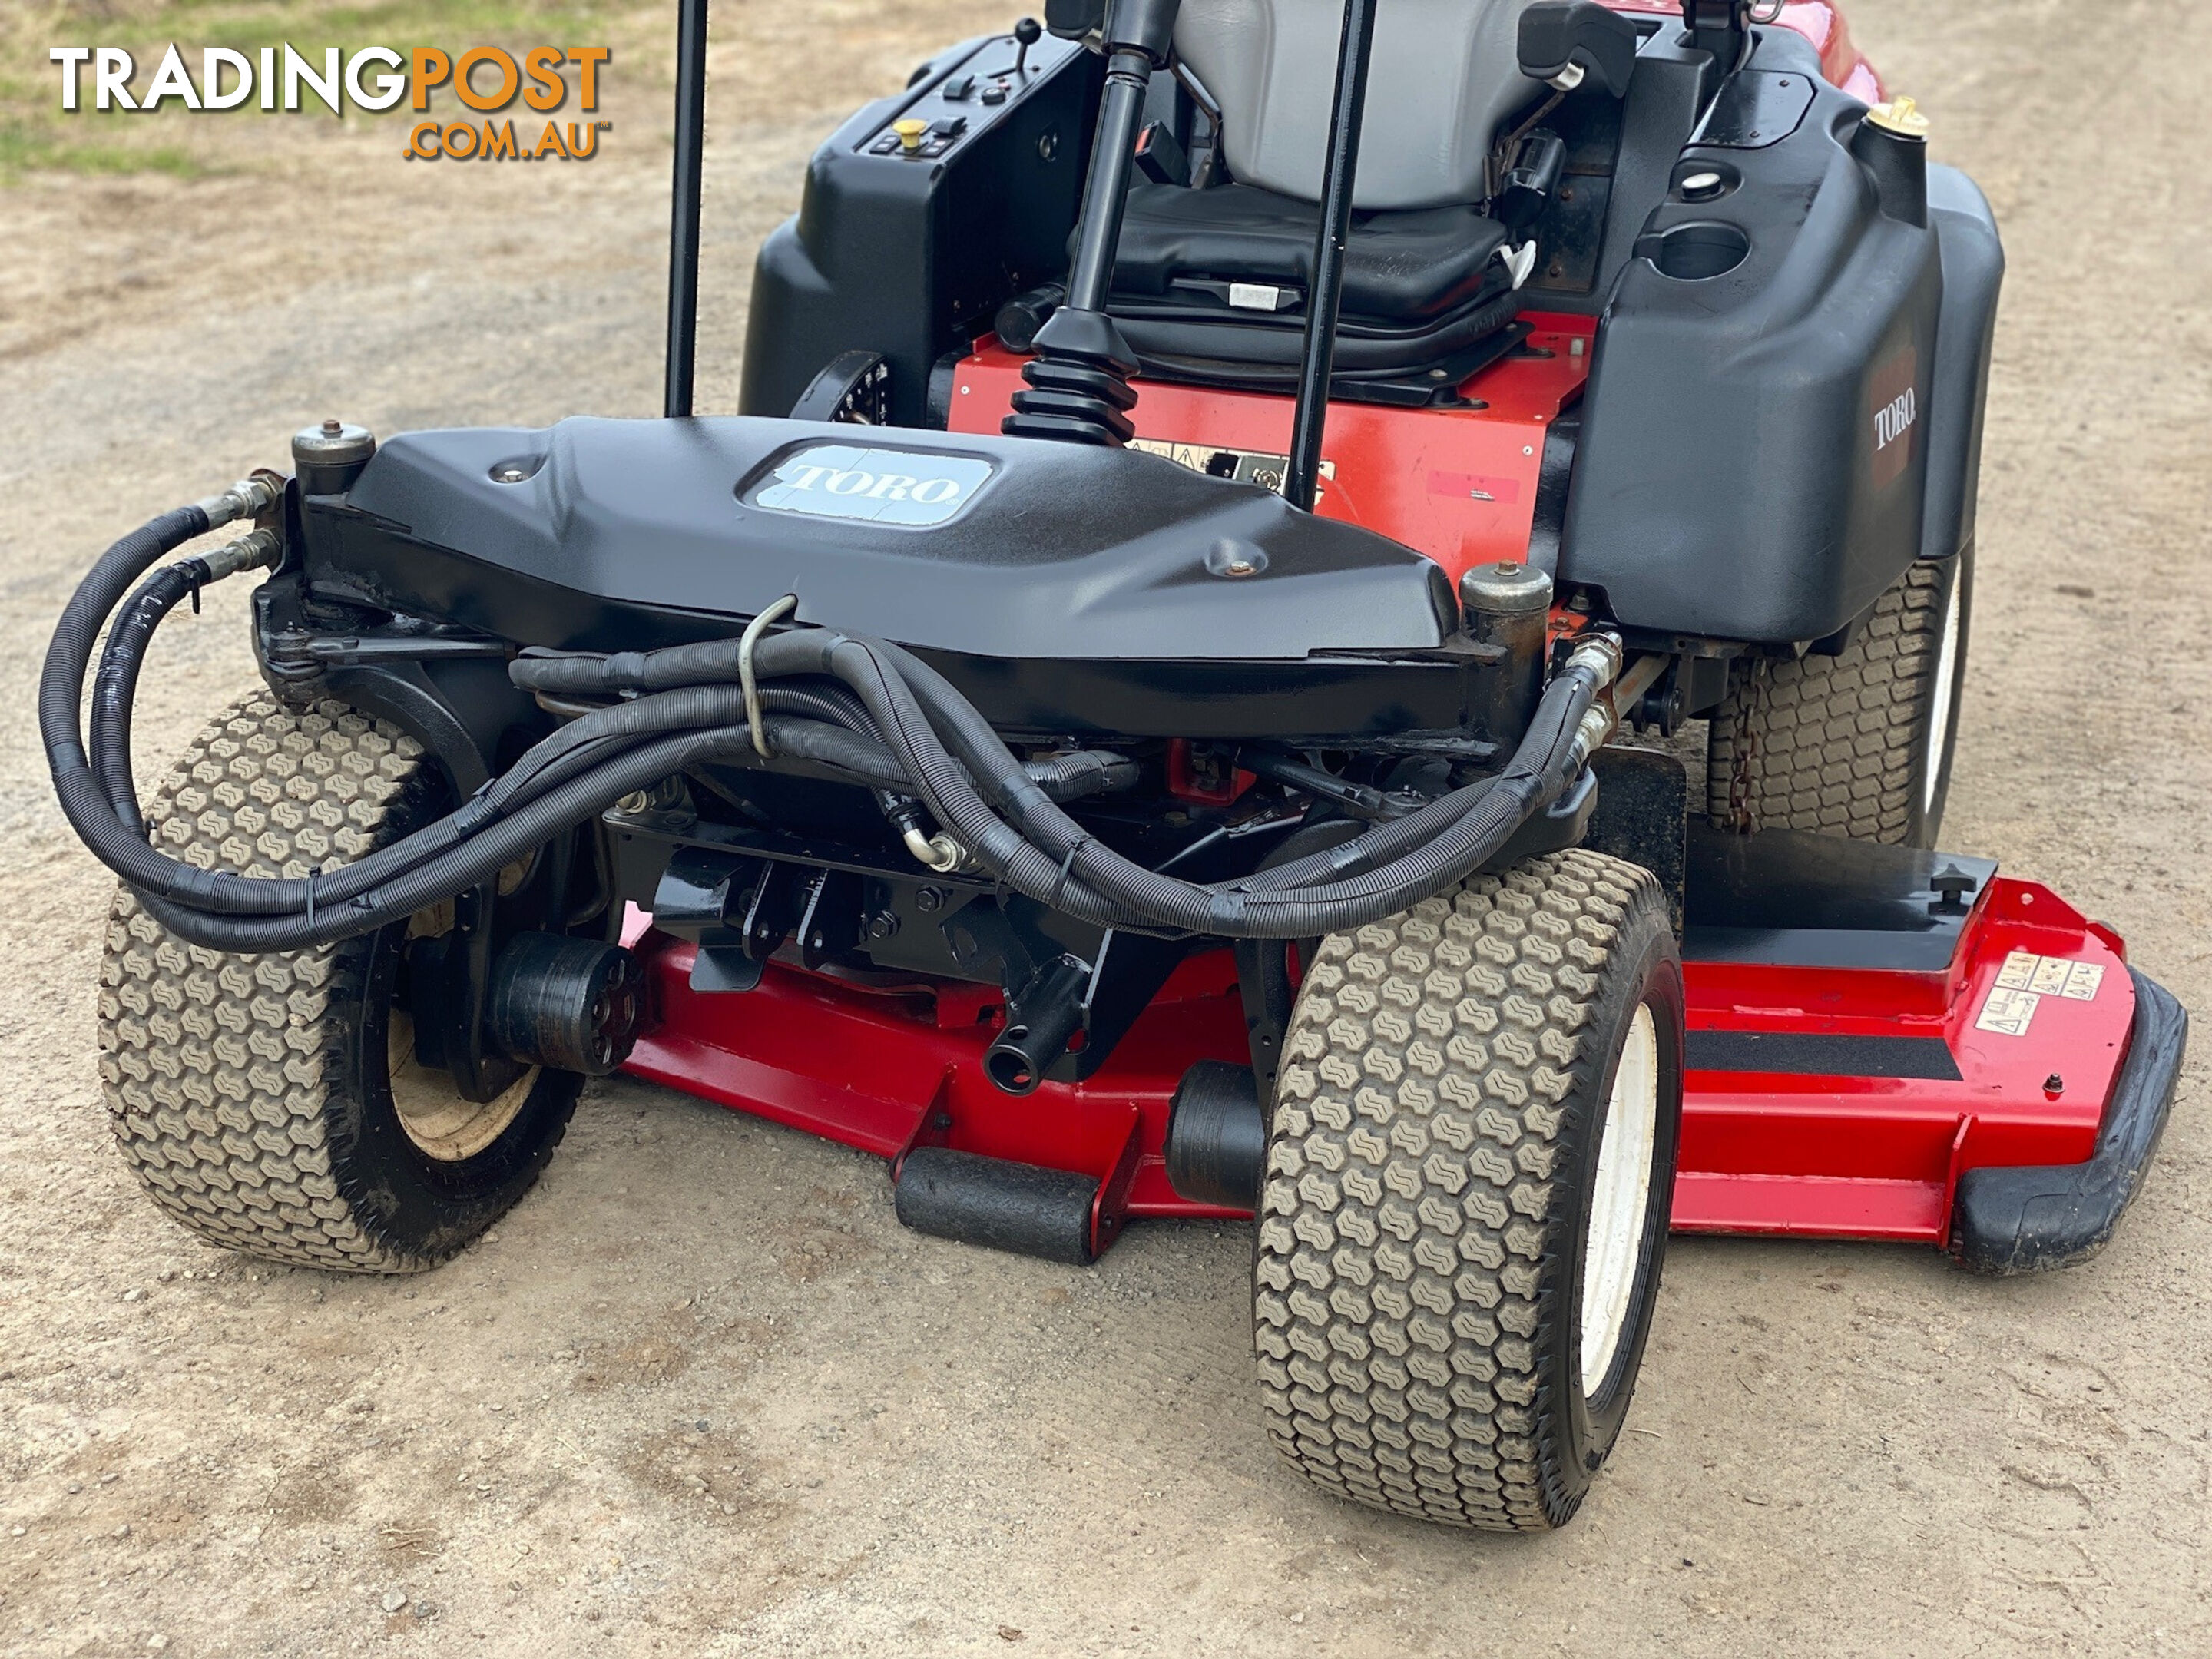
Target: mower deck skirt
1977, 1070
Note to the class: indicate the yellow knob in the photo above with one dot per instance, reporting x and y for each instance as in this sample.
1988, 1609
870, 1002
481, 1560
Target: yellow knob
1900, 116
910, 131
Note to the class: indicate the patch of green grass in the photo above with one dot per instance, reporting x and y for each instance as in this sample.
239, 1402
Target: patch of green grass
22, 150
36, 134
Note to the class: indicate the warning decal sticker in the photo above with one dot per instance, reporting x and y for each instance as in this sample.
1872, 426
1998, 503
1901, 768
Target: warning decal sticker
2051, 976
2007, 1013
2025, 979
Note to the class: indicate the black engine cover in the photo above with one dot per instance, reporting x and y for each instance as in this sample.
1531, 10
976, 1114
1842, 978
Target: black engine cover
1064, 588
998, 547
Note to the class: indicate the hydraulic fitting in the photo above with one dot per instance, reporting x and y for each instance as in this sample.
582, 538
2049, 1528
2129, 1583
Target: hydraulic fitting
258, 551
249, 498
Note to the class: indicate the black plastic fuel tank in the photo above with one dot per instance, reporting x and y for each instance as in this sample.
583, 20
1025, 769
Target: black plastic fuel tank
907, 245
1778, 366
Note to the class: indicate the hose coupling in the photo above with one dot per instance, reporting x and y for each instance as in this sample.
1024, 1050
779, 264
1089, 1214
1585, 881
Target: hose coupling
939, 852
1597, 724
261, 550
1599, 655
249, 498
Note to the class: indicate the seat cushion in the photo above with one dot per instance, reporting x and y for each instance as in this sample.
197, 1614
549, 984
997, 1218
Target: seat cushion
1408, 266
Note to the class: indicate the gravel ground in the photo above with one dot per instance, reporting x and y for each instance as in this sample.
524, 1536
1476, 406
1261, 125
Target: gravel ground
701, 1394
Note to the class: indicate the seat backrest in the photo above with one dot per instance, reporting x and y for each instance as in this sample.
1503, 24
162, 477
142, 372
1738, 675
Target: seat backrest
1444, 75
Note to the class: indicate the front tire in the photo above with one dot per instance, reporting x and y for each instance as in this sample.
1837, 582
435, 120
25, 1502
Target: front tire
1469, 1175
272, 1103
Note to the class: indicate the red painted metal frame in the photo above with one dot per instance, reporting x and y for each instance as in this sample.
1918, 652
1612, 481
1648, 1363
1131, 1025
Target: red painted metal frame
1833, 1157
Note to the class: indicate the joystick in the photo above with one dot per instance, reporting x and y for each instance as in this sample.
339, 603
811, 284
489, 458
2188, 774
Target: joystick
1027, 32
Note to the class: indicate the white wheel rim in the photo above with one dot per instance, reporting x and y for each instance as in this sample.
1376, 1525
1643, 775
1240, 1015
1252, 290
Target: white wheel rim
432, 1113
1621, 1199
1947, 675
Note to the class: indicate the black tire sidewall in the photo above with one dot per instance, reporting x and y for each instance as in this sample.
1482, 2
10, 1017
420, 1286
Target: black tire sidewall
1581, 1431
1927, 808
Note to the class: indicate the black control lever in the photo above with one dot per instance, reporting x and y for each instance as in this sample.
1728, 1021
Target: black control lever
1079, 387
1027, 32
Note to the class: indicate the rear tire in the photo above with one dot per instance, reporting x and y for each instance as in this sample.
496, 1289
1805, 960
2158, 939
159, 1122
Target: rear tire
1469, 1182
271, 1104
1858, 744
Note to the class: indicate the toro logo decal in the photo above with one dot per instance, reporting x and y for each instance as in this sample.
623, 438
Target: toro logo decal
870, 486
1896, 412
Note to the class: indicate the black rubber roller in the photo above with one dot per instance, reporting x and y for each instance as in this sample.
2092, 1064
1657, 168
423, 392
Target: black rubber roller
1217, 1136
572, 1003
1020, 1207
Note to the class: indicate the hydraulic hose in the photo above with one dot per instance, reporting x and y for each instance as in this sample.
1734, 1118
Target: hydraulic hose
856, 710
115, 687
83, 799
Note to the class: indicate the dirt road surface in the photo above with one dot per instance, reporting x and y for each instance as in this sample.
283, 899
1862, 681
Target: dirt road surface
701, 1394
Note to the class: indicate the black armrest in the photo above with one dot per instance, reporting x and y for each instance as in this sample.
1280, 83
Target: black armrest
1565, 42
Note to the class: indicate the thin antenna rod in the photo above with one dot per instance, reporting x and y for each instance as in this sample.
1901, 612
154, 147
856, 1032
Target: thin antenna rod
683, 209
1326, 297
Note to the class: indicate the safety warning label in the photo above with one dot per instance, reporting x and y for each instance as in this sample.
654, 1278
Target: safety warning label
2025, 979
2051, 976
2007, 1013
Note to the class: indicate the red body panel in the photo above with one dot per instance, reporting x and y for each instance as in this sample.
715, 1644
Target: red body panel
1762, 1152
1457, 484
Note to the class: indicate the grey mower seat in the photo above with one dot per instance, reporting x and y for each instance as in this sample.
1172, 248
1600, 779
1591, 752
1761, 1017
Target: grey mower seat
1211, 284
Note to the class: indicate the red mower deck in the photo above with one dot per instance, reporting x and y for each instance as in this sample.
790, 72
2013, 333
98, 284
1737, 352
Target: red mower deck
1853, 1052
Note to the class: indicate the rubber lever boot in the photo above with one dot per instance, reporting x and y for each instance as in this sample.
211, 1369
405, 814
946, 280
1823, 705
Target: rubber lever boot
1079, 386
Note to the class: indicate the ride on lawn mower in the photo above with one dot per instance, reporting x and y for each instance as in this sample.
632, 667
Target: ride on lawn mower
1172, 699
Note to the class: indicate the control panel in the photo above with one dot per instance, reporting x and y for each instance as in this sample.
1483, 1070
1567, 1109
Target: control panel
954, 101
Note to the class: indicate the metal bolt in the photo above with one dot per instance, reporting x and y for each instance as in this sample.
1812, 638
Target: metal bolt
929, 900
883, 924
333, 427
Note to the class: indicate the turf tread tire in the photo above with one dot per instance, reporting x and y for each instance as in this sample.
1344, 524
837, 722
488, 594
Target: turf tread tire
223, 1074
1837, 745
1412, 1196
